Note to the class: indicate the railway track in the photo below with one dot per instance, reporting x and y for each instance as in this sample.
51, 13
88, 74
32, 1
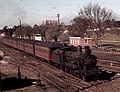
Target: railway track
45, 75
51, 76
108, 60
58, 79
109, 65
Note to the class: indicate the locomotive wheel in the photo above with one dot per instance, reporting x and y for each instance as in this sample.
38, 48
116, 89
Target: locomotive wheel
84, 77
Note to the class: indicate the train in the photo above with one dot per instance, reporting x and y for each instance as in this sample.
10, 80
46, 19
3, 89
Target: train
74, 60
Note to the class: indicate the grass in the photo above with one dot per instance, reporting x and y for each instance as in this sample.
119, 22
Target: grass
111, 37
109, 42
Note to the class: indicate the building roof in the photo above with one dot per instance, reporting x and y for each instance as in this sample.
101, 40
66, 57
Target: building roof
51, 45
80, 38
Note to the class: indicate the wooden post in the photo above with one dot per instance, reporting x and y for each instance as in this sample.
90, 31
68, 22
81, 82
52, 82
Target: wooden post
19, 73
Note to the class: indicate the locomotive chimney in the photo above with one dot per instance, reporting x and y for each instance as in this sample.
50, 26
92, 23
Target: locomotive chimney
79, 49
87, 50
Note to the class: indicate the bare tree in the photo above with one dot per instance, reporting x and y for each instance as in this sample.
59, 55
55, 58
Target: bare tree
27, 31
5, 29
17, 32
80, 25
9, 31
98, 15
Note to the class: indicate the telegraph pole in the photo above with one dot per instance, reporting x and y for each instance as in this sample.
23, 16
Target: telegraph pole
20, 28
58, 15
58, 22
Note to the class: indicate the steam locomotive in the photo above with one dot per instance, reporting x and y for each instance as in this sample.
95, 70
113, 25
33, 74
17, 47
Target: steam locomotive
77, 61
74, 60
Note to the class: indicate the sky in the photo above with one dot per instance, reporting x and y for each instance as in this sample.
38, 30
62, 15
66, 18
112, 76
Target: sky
36, 11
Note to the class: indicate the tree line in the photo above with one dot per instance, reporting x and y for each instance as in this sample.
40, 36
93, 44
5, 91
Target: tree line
91, 16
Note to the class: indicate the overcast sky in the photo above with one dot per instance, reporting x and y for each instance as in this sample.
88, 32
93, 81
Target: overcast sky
35, 11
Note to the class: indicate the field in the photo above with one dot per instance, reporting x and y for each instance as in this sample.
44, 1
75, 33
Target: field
109, 42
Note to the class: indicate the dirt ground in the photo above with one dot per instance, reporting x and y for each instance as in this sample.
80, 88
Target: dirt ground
112, 86
9, 72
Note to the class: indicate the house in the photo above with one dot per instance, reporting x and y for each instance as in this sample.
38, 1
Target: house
39, 37
76, 41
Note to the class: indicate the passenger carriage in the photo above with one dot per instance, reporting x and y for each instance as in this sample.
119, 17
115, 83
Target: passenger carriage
20, 44
15, 45
5, 40
29, 46
44, 49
